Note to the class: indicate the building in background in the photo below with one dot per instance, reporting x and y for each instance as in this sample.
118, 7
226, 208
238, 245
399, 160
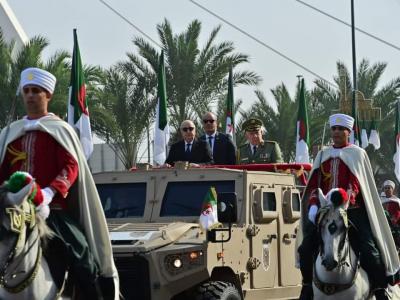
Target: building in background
12, 29
104, 159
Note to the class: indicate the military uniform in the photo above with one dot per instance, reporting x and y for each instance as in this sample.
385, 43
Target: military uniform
267, 152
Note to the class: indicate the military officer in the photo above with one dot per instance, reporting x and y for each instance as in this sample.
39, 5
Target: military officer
256, 150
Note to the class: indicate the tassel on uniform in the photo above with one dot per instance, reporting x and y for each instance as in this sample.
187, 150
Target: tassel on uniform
20, 179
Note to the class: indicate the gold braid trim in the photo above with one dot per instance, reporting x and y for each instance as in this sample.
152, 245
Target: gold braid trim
24, 284
327, 176
19, 155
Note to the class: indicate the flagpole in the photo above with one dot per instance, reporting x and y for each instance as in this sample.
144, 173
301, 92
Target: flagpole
396, 157
355, 87
148, 143
323, 135
166, 144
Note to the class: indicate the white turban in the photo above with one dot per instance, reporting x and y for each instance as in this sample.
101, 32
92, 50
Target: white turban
36, 76
389, 183
341, 120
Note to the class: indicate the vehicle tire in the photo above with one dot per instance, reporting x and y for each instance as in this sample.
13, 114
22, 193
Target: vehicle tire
217, 290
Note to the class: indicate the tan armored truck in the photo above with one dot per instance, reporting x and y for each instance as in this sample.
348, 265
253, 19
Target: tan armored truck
161, 252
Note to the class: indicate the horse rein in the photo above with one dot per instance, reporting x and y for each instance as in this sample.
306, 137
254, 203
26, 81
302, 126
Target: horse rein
332, 288
18, 224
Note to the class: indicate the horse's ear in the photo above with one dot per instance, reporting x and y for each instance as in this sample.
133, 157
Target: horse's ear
322, 199
19, 197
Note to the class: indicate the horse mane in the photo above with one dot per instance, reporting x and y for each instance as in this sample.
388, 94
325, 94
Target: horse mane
45, 232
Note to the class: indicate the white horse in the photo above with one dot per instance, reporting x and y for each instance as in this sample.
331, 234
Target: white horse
24, 272
337, 272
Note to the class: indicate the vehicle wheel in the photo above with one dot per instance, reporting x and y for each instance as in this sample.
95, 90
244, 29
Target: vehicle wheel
217, 290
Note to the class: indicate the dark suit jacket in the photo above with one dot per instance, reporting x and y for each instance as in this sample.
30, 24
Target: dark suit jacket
200, 154
224, 152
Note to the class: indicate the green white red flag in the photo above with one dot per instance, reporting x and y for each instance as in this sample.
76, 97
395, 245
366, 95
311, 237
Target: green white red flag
161, 128
229, 123
396, 157
209, 215
364, 136
374, 136
78, 113
302, 129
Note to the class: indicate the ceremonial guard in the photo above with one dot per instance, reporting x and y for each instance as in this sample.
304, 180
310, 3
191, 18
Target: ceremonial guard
347, 166
49, 149
391, 204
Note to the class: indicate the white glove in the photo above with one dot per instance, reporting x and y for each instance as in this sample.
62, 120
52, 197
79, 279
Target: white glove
43, 209
312, 213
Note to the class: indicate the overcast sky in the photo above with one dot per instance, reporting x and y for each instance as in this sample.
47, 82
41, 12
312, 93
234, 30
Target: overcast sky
286, 25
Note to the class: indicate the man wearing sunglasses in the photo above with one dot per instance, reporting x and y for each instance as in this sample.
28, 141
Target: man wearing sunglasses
222, 148
189, 149
347, 166
256, 150
48, 148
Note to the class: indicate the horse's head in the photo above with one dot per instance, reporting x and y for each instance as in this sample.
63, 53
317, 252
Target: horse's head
332, 226
15, 214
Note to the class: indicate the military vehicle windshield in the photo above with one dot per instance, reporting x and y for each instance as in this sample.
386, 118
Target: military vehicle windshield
123, 200
185, 198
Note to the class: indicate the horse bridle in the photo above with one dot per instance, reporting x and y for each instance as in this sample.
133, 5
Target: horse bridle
332, 288
19, 218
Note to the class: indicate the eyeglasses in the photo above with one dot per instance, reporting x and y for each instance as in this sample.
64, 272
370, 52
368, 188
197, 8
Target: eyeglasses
208, 121
33, 90
186, 129
341, 128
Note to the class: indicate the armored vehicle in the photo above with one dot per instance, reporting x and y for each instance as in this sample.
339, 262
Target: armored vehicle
161, 252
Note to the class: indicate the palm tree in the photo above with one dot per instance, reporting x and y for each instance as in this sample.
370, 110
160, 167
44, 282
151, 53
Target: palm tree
11, 65
12, 62
195, 77
325, 99
122, 112
280, 122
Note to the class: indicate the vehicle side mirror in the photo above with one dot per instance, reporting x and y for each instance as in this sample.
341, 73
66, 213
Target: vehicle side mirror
227, 207
227, 213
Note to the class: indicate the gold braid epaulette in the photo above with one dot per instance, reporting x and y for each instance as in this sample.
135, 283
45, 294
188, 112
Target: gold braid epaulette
18, 155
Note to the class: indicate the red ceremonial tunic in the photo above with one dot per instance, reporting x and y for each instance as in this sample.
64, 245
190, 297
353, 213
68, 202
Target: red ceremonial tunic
39, 154
334, 173
393, 209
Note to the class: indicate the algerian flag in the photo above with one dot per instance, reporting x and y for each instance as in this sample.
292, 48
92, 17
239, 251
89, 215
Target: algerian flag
302, 131
161, 128
209, 215
396, 157
374, 136
230, 124
364, 136
78, 113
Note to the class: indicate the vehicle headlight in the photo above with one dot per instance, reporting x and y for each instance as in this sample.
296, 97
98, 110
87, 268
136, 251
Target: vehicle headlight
176, 263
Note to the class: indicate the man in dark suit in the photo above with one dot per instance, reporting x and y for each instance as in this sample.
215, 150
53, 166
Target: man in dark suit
189, 149
222, 147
